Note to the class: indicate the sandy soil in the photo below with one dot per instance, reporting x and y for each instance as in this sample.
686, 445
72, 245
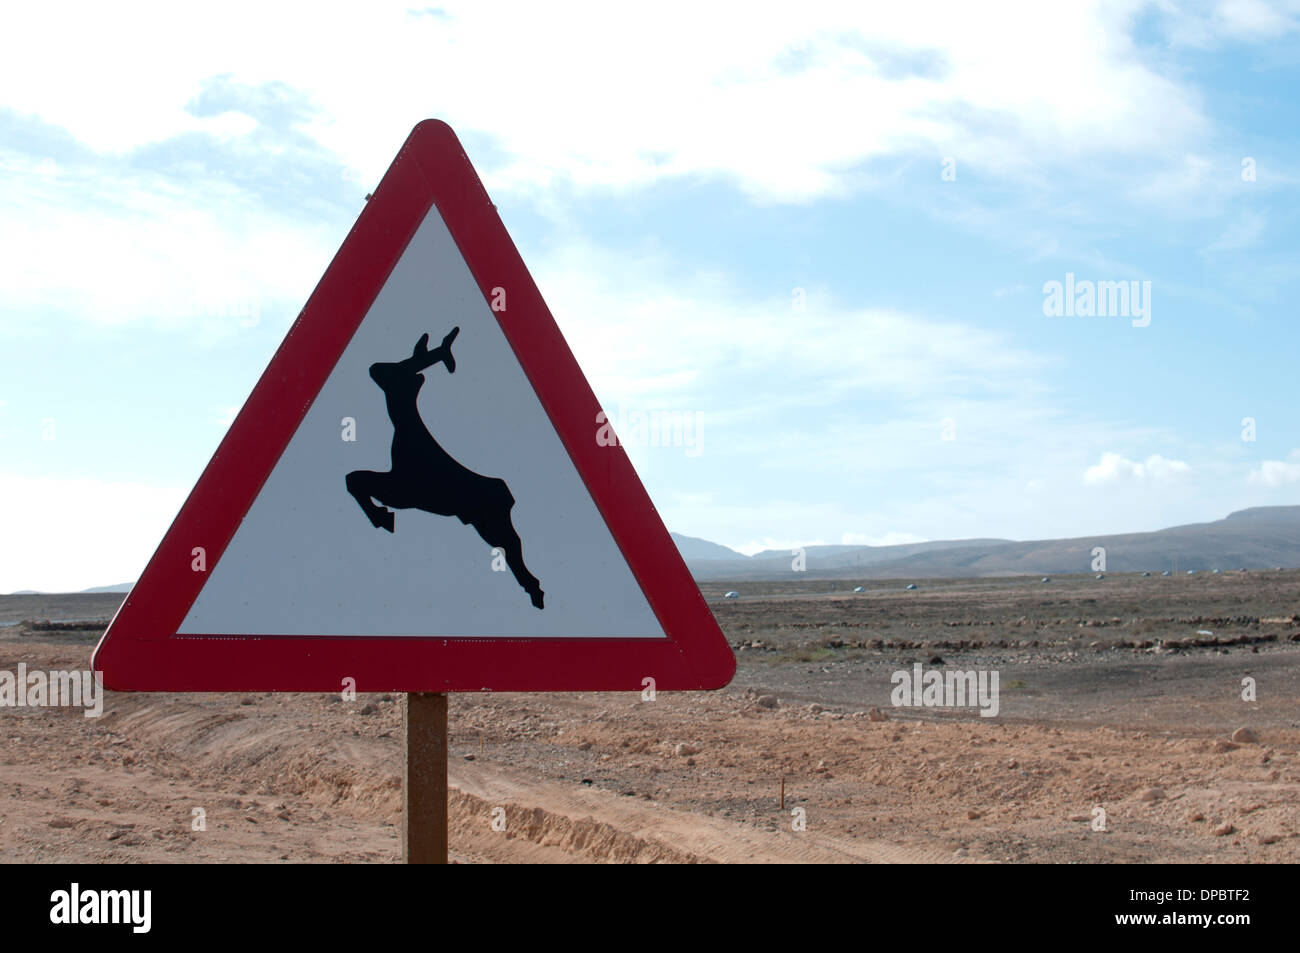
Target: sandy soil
1110, 709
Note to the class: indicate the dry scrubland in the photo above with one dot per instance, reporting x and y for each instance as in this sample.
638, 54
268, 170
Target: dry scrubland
1110, 697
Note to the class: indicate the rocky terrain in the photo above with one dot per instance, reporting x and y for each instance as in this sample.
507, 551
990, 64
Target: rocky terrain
1114, 742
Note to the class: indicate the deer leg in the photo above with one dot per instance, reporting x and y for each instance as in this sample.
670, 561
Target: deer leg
365, 486
498, 531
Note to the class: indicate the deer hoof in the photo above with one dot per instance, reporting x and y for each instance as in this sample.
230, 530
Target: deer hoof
536, 595
385, 521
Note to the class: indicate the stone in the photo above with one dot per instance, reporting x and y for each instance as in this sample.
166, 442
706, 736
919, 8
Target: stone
1151, 794
1245, 736
685, 750
877, 715
1224, 829
369, 708
768, 701
973, 815
1221, 746
1195, 817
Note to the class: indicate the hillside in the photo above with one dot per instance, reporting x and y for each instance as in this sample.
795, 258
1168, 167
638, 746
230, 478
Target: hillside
1259, 538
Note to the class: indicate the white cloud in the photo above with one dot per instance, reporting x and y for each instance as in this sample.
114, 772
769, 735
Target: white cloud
1277, 472
79, 533
123, 249
787, 109
887, 539
644, 333
1192, 174
1243, 231
605, 95
1114, 468
777, 545
1211, 25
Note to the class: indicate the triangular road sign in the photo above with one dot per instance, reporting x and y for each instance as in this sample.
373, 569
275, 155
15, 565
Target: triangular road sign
414, 496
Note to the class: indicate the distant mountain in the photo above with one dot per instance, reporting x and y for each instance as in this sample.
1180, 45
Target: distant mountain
1259, 538
701, 549
828, 560
856, 557
120, 587
1262, 537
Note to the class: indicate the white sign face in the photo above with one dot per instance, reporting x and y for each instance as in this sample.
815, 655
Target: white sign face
315, 555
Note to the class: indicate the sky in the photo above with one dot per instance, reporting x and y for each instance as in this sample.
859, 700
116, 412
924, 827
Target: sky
823, 239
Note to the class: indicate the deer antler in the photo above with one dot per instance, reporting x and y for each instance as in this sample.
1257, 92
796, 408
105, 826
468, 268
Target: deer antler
422, 357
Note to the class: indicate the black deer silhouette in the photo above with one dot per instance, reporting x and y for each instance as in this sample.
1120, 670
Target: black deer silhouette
425, 477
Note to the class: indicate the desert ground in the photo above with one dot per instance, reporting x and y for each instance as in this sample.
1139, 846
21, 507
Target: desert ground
1120, 694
